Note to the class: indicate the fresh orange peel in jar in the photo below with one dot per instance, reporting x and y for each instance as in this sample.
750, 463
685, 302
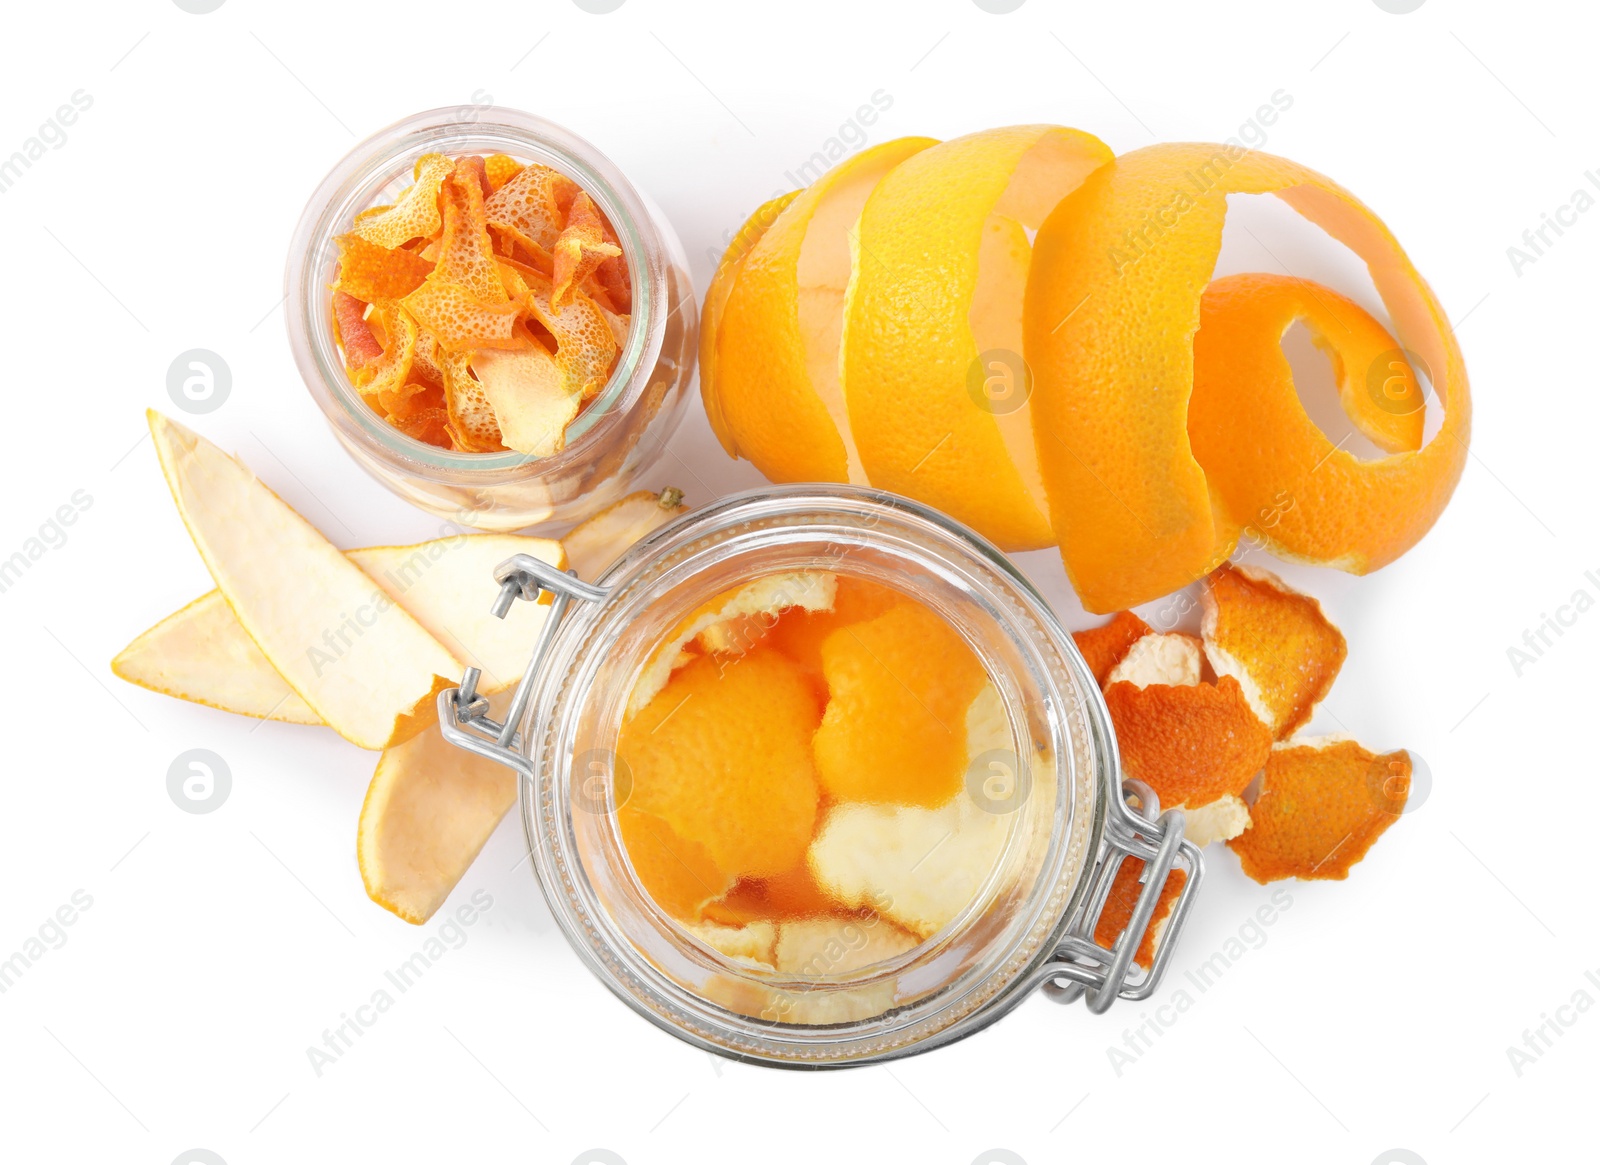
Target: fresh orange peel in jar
895, 728
1275, 641
1323, 803
722, 754
1158, 445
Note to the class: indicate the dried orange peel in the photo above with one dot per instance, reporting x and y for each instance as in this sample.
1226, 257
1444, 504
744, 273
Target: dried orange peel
458, 322
1324, 802
1159, 446
1275, 641
1104, 646
1121, 900
1191, 744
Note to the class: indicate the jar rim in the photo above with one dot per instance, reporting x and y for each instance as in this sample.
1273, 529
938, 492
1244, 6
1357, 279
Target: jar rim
1081, 743
374, 164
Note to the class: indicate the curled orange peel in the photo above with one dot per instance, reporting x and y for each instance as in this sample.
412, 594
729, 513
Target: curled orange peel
370, 272
1159, 446
1323, 803
580, 248
415, 214
360, 346
531, 206
1190, 743
1103, 647
1120, 903
1274, 640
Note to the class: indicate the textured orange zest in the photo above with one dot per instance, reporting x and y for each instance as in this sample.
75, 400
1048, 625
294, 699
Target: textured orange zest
1191, 744
1114, 303
895, 727
1275, 640
370, 272
1322, 806
1124, 896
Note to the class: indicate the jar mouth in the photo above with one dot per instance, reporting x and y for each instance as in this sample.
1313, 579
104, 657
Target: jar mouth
378, 168
955, 980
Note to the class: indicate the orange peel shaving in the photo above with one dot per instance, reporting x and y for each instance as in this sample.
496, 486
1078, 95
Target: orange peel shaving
415, 214
1158, 445
371, 273
895, 727
531, 206
1192, 744
1274, 640
500, 169
722, 754
1120, 903
580, 248
1323, 804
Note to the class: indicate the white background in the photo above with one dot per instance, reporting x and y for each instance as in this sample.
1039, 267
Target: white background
1373, 1014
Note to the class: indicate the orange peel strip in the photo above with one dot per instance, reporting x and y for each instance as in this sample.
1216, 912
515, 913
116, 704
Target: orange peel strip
1274, 640
389, 372
580, 249
896, 723
501, 168
415, 214
723, 756
472, 424
360, 346
1113, 305
586, 347
1121, 900
370, 272
1305, 499
1192, 744
527, 394
1323, 804
679, 874
532, 205
1103, 647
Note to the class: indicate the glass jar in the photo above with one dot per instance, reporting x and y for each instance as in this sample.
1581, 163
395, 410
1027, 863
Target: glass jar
618, 435
1067, 822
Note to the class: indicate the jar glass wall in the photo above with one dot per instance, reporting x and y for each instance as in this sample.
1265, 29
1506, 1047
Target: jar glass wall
621, 432
1049, 816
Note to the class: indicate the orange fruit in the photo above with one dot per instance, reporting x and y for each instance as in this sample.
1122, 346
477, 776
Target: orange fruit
722, 754
895, 727
1114, 302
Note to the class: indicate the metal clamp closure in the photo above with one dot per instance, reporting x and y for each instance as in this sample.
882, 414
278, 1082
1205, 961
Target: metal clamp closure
464, 718
1083, 967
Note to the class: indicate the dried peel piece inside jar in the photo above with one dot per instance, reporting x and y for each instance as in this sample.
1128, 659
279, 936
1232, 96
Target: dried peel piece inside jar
821, 776
485, 308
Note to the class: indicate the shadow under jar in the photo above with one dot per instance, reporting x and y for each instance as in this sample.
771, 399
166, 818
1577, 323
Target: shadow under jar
1052, 801
617, 435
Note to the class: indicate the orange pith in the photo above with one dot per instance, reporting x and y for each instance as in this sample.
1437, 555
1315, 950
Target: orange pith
899, 688
1322, 805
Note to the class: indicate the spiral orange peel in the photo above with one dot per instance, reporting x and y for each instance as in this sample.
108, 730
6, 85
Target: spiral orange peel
1324, 802
895, 729
1158, 445
1274, 640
